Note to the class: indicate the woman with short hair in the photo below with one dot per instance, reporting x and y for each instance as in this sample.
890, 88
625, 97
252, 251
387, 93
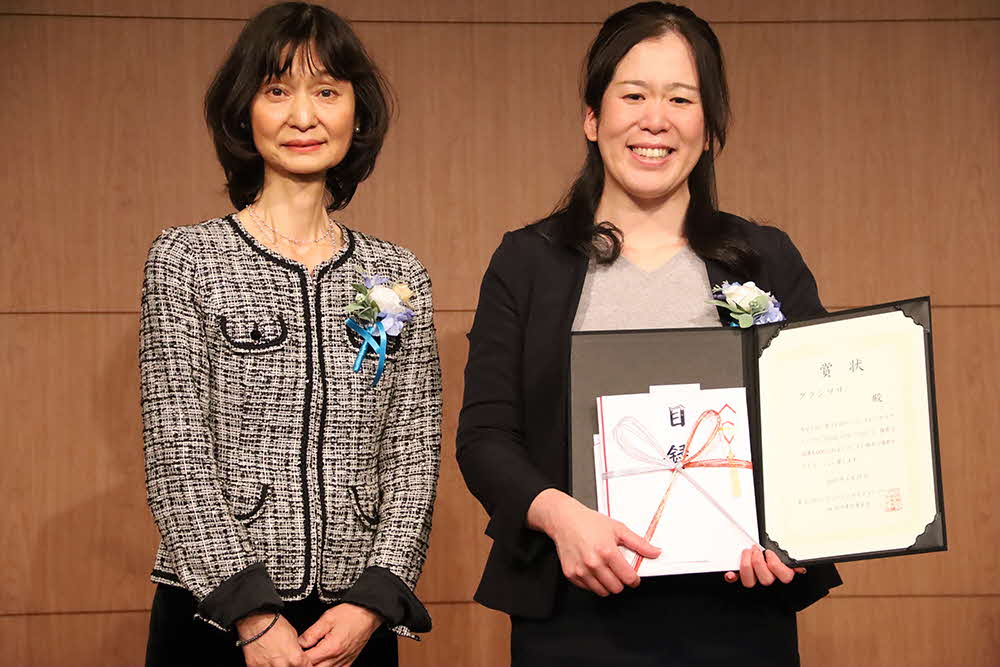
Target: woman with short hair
290, 378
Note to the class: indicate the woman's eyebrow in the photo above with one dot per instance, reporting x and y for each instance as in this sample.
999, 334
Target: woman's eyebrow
633, 82
325, 75
314, 75
645, 84
686, 86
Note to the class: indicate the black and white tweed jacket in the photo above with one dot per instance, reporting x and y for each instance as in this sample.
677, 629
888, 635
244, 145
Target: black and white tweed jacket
272, 469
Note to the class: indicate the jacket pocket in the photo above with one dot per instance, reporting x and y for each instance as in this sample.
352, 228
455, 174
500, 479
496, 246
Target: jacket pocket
365, 501
254, 333
248, 509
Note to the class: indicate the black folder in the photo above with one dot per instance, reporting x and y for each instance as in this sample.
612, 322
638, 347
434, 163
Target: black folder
605, 363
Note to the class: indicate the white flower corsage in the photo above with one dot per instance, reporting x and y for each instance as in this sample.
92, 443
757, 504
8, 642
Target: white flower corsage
379, 310
747, 304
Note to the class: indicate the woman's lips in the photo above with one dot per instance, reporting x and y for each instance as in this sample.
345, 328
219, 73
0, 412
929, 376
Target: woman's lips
304, 148
651, 156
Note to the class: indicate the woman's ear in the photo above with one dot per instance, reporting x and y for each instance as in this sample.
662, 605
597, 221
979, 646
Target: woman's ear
590, 125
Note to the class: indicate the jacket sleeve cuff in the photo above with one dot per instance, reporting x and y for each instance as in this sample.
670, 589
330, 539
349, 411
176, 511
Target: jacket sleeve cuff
815, 584
509, 525
247, 591
383, 592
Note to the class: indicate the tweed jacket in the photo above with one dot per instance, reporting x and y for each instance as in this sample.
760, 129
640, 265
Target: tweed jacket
274, 470
513, 434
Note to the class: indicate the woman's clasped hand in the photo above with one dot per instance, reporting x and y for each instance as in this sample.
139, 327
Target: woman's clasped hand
339, 635
334, 640
277, 647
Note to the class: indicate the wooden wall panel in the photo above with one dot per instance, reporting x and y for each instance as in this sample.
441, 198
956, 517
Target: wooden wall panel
134, 162
76, 534
519, 11
74, 640
492, 155
875, 147
893, 631
458, 546
831, 143
104, 119
464, 634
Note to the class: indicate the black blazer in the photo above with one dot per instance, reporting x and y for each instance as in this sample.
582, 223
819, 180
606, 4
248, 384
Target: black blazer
513, 429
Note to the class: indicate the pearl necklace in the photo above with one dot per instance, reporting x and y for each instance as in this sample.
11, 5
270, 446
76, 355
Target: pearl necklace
330, 226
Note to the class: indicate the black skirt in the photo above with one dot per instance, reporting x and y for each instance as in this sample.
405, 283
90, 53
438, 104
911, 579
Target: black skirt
686, 622
177, 639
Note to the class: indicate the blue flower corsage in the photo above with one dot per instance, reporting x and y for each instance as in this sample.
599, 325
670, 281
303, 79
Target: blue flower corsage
380, 309
747, 304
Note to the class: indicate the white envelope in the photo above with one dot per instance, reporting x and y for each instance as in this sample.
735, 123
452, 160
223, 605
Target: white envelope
697, 445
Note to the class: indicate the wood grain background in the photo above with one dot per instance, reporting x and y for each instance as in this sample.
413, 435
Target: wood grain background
867, 129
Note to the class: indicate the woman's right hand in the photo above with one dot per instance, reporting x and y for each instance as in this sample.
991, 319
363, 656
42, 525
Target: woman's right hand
587, 543
278, 647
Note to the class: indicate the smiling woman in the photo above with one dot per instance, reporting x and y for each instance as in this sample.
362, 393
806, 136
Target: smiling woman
637, 243
291, 427
641, 158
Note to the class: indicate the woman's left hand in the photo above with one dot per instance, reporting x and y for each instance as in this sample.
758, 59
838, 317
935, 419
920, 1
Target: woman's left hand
336, 639
763, 567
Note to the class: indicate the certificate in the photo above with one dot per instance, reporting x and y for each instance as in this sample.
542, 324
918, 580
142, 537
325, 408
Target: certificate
847, 437
835, 427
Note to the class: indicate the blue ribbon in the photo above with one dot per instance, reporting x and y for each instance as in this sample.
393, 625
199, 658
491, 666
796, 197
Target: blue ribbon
369, 341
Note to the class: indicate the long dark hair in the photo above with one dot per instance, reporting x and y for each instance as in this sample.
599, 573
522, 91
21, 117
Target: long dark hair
708, 233
265, 50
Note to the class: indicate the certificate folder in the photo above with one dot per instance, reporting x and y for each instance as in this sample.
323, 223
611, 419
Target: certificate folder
841, 414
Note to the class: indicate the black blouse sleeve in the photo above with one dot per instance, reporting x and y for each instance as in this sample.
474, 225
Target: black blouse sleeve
381, 591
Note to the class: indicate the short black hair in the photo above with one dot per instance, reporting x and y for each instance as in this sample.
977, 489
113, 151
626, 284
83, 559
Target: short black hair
264, 51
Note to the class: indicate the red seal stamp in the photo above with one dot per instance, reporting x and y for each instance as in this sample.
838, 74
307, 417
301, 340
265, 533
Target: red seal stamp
893, 500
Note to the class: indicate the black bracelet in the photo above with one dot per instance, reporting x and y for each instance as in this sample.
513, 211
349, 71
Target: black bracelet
243, 642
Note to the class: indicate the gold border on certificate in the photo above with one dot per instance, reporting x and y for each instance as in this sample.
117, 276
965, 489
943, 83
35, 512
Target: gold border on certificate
846, 437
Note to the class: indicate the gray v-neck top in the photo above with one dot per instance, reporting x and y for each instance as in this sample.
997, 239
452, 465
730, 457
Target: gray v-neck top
623, 296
